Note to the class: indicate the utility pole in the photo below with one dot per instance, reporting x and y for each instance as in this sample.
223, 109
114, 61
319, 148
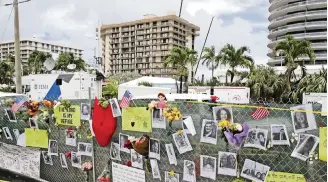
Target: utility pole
18, 61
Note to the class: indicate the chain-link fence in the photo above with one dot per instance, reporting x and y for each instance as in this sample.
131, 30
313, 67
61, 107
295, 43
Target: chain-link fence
277, 157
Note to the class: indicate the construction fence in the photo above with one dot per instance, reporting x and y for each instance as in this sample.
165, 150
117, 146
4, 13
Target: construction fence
277, 157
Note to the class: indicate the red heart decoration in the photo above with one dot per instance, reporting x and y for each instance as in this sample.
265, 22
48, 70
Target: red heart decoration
103, 124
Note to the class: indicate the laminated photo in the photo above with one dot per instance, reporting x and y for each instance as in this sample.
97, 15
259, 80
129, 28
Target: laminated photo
157, 120
254, 171
63, 161
279, 135
84, 149
155, 170
53, 147
115, 151
209, 132
208, 167
70, 138
76, 160
136, 159
47, 158
154, 149
171, 154
188, 125
123, 139
85, 111
189, 173
306, 144
7, 133
171, 178
16, 134
227, 163
33, 123
222, 113
182, 142
115, 107
11, 115
257, 138
303, 118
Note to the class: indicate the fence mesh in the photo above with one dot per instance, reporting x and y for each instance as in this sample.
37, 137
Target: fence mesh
277, 157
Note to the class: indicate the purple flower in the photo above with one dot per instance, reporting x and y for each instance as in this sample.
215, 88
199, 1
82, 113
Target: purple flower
238, 138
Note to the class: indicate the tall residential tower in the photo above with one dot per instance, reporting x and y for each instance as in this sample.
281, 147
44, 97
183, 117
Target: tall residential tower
303, 19
140, 46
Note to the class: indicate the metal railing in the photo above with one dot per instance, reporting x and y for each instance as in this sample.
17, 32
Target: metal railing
308, 2
299, 25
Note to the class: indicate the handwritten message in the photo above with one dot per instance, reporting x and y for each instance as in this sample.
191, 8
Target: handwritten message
20, 159
36, 138
323, 144
68, 116
122, 173
136, 119
284, 177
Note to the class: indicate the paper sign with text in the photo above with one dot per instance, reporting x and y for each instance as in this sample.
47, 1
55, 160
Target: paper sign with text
36, 138
122, 173
323, 144
68, 116
284, 177
136, 119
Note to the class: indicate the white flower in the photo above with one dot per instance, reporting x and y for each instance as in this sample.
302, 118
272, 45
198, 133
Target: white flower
239, 127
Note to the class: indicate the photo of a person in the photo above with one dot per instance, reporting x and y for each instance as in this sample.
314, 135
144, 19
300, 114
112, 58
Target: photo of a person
222, 113
76, 160
208, 167
209, 132
33, 123
136, 159
63, 161
303, 118
11, 115
170, 154
154, 148
227, 163
122, 140
47, 158
84, 149
154, 168
115, 151
53, 148
257, 138
306, 144
115, 108
254, 171
261, 139
182, 142
157, 121
189, 171
85, 111
279, 134
70, 137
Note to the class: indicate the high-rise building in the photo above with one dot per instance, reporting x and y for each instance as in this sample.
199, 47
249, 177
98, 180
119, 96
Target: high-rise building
303, 19
27, 46
140, 46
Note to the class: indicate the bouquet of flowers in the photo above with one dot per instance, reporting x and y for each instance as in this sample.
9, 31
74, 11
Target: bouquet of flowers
33, 107
235, 133
86, 166
172, 114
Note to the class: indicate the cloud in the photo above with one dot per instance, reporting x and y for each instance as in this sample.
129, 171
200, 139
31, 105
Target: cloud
74, 22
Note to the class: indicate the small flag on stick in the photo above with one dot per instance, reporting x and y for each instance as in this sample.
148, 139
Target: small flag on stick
19, 101
260, 113
127, 97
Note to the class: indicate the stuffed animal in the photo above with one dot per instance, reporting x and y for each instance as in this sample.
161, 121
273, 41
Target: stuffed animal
140, 145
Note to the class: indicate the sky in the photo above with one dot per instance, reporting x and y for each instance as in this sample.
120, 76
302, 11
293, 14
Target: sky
74, 22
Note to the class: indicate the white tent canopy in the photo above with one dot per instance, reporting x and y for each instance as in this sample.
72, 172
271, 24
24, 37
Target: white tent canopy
155, 81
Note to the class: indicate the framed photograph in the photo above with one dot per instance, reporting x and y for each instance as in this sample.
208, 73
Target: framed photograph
123, 139
171, 154
11, 115
303, 121
85, 111
154, 169
154, 148
76, 160
279, 135
136, 159
189, 173
115, 151
63, 161
53, 147
7, 133
16, 133
115, 107
47, 158
305, 146
222, 113
254, 171
157, 120
171, 178
84, 149
70, 138
257, 138
209, 132
208, 167
227, 163
33, 123
182, 142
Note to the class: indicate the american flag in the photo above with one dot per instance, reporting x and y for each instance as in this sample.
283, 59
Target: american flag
260, 113
126, 99
19, 101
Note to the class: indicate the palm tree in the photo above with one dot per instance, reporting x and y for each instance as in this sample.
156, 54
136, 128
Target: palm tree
210, 59
179, 58
294, 50
235, 57
36, 60
7, 71
265, 83
66, 59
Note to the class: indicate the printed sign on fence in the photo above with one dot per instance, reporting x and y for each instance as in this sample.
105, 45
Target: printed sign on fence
122, 173
136, 119
284, 177
68, 116
36, 138
323, 144
20, 159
